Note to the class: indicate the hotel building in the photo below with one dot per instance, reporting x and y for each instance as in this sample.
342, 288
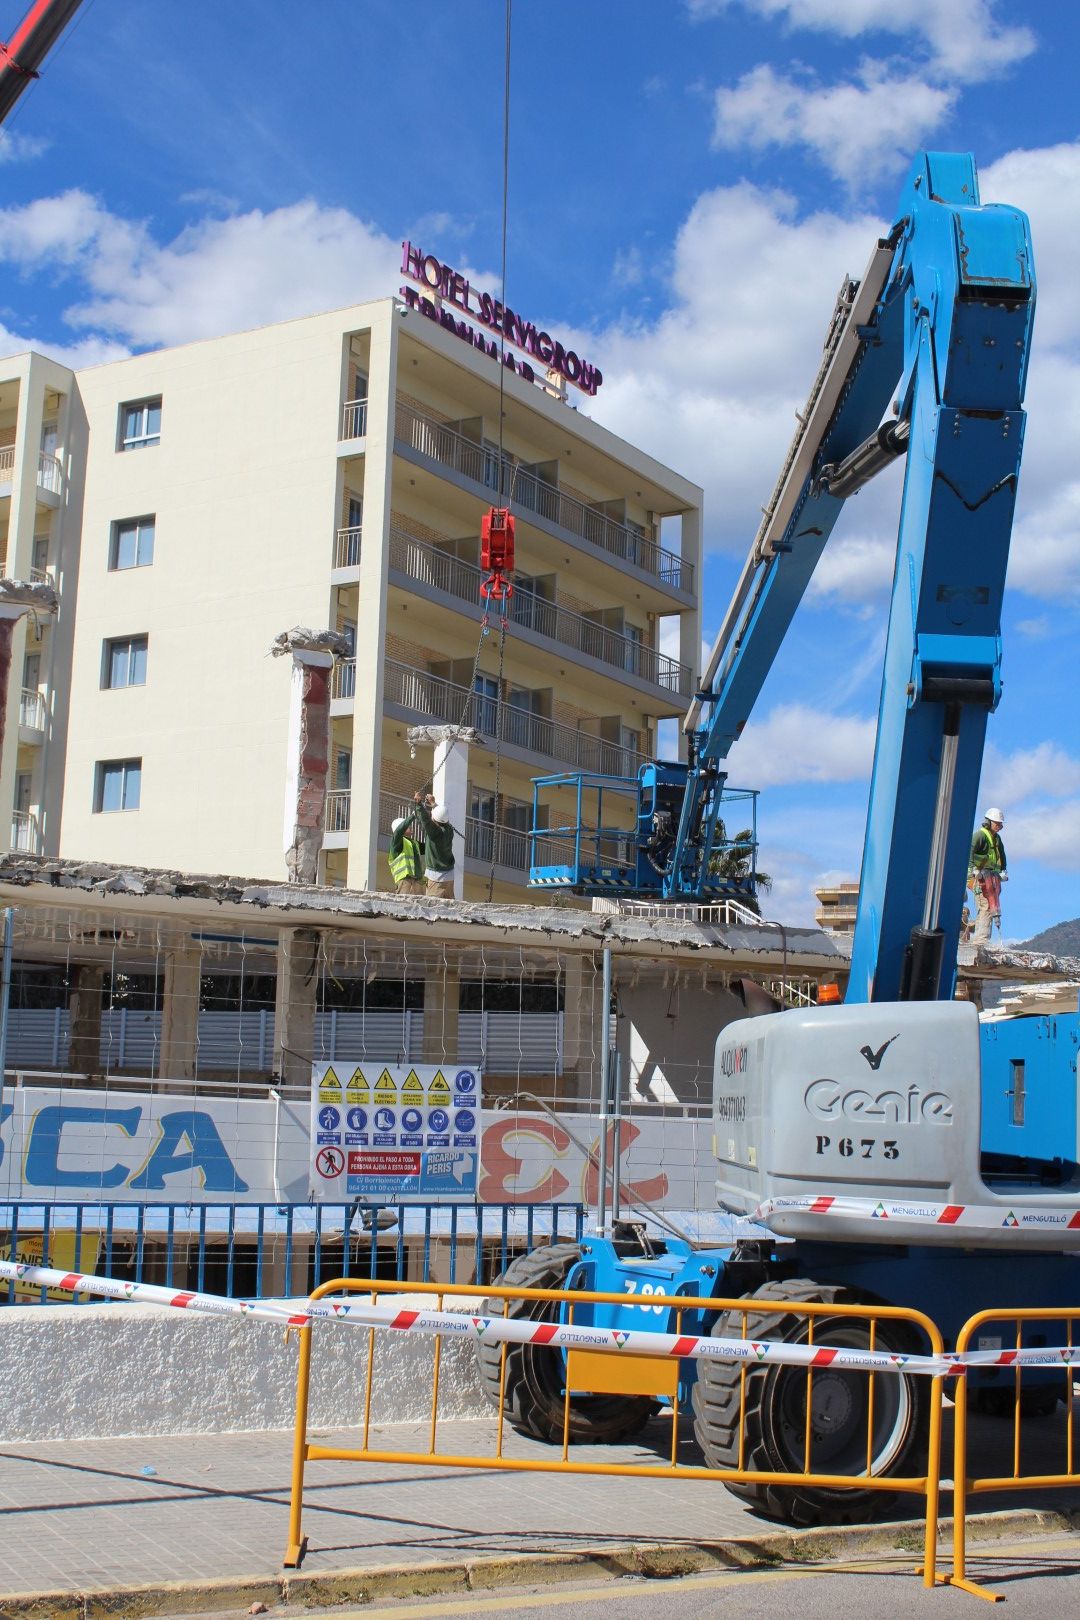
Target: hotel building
190, 504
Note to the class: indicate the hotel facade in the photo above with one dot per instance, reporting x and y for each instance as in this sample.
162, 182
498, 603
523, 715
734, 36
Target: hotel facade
190, 504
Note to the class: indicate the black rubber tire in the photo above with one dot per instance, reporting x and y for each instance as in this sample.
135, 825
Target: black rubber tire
534, 1390
775, 1411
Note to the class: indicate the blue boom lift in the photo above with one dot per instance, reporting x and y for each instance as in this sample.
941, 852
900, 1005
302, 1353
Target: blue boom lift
890, 1149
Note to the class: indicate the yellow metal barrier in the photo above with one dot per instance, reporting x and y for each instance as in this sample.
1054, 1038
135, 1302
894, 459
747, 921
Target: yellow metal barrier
602, 1371
965, 1486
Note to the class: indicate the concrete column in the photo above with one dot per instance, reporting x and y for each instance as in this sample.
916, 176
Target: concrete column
582, 1028
442, 995
84, 1012
295, 1003
307, 764
450, 785
180, 1015
363, 867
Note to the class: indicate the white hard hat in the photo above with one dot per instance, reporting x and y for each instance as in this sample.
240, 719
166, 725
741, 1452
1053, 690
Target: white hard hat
397, 824
440, 814
994, 814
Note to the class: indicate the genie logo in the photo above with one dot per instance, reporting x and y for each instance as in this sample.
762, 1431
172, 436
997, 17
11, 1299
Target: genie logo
829, 1100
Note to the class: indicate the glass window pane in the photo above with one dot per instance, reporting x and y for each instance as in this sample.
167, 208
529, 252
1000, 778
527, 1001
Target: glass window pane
131, 421
153, 420
145, 544
118, 663
132, 784
125, 546
137, 666
112, 777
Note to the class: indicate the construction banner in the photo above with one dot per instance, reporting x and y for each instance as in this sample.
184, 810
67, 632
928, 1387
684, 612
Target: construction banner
28, 1251
401, 1131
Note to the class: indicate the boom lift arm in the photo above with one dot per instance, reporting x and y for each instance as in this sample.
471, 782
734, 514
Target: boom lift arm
27, 48
938, 329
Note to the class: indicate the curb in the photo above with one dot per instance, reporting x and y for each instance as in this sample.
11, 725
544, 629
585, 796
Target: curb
650, 1560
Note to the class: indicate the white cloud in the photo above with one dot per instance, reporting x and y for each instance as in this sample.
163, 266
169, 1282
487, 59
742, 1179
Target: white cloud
856, 569
962, 39
1043, 771
218, 275
796, 743
1050, 834
859, 129
20, 148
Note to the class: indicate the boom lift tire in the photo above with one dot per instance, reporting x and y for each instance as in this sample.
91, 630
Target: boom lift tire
534, 1389
776, 1410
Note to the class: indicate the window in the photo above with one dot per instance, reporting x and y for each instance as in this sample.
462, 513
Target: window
132, 543
140, 424
124, 663
118, 784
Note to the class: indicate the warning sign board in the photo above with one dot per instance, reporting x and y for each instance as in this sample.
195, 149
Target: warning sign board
394, 1131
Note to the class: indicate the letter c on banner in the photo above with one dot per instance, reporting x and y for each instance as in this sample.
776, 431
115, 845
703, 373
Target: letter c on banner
43, 1149
502, 1166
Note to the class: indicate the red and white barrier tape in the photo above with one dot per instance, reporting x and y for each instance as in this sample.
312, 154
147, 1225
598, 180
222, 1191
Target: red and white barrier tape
353, 1312
969, 1217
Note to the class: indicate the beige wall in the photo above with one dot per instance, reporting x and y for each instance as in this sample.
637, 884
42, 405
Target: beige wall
242, 487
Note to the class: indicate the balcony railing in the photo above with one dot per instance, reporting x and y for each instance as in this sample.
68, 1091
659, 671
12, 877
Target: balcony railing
7, 458
336, 815
24, 831
347, 548
509, 844
354, 419
427, 565
50, 475
431, 698
31, 709
528, 493
343, 679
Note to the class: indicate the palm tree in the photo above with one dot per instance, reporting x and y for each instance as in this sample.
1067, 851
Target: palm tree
734, 860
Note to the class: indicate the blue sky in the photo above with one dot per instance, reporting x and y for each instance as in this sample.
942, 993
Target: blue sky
690, 179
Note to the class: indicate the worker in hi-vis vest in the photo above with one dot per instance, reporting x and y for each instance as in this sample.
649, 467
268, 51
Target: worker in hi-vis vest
406, 857
987, 874
439, 837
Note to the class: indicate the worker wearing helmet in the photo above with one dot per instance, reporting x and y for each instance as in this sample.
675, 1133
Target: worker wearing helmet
406, 855
987, 874
439, 837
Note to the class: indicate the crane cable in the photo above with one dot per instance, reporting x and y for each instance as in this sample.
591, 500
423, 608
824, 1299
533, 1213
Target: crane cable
504, 604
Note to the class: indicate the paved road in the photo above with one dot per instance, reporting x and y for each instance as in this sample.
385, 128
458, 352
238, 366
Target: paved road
91, 1515
1038, 1578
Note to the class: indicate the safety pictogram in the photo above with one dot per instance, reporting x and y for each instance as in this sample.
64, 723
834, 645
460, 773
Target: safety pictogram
438, 1090
330, 1087
357, 1088
329, 1162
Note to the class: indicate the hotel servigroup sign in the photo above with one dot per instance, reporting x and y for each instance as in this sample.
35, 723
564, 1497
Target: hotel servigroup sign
441, 281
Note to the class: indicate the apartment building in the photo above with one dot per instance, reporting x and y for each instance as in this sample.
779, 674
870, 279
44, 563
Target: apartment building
190, 504
837, 904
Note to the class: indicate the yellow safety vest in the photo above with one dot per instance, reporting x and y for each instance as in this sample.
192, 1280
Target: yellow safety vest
407, 864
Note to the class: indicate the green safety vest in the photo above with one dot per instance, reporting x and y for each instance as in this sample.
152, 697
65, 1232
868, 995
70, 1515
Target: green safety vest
987, 851
407, 864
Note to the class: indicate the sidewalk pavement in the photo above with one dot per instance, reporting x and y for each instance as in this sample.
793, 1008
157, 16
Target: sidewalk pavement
89, 1515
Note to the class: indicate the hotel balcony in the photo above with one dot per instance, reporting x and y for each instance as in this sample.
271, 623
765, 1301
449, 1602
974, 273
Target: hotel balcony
443, 578
354, 419
24, 832
430, 444
32, 715
414, 695
50, 476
